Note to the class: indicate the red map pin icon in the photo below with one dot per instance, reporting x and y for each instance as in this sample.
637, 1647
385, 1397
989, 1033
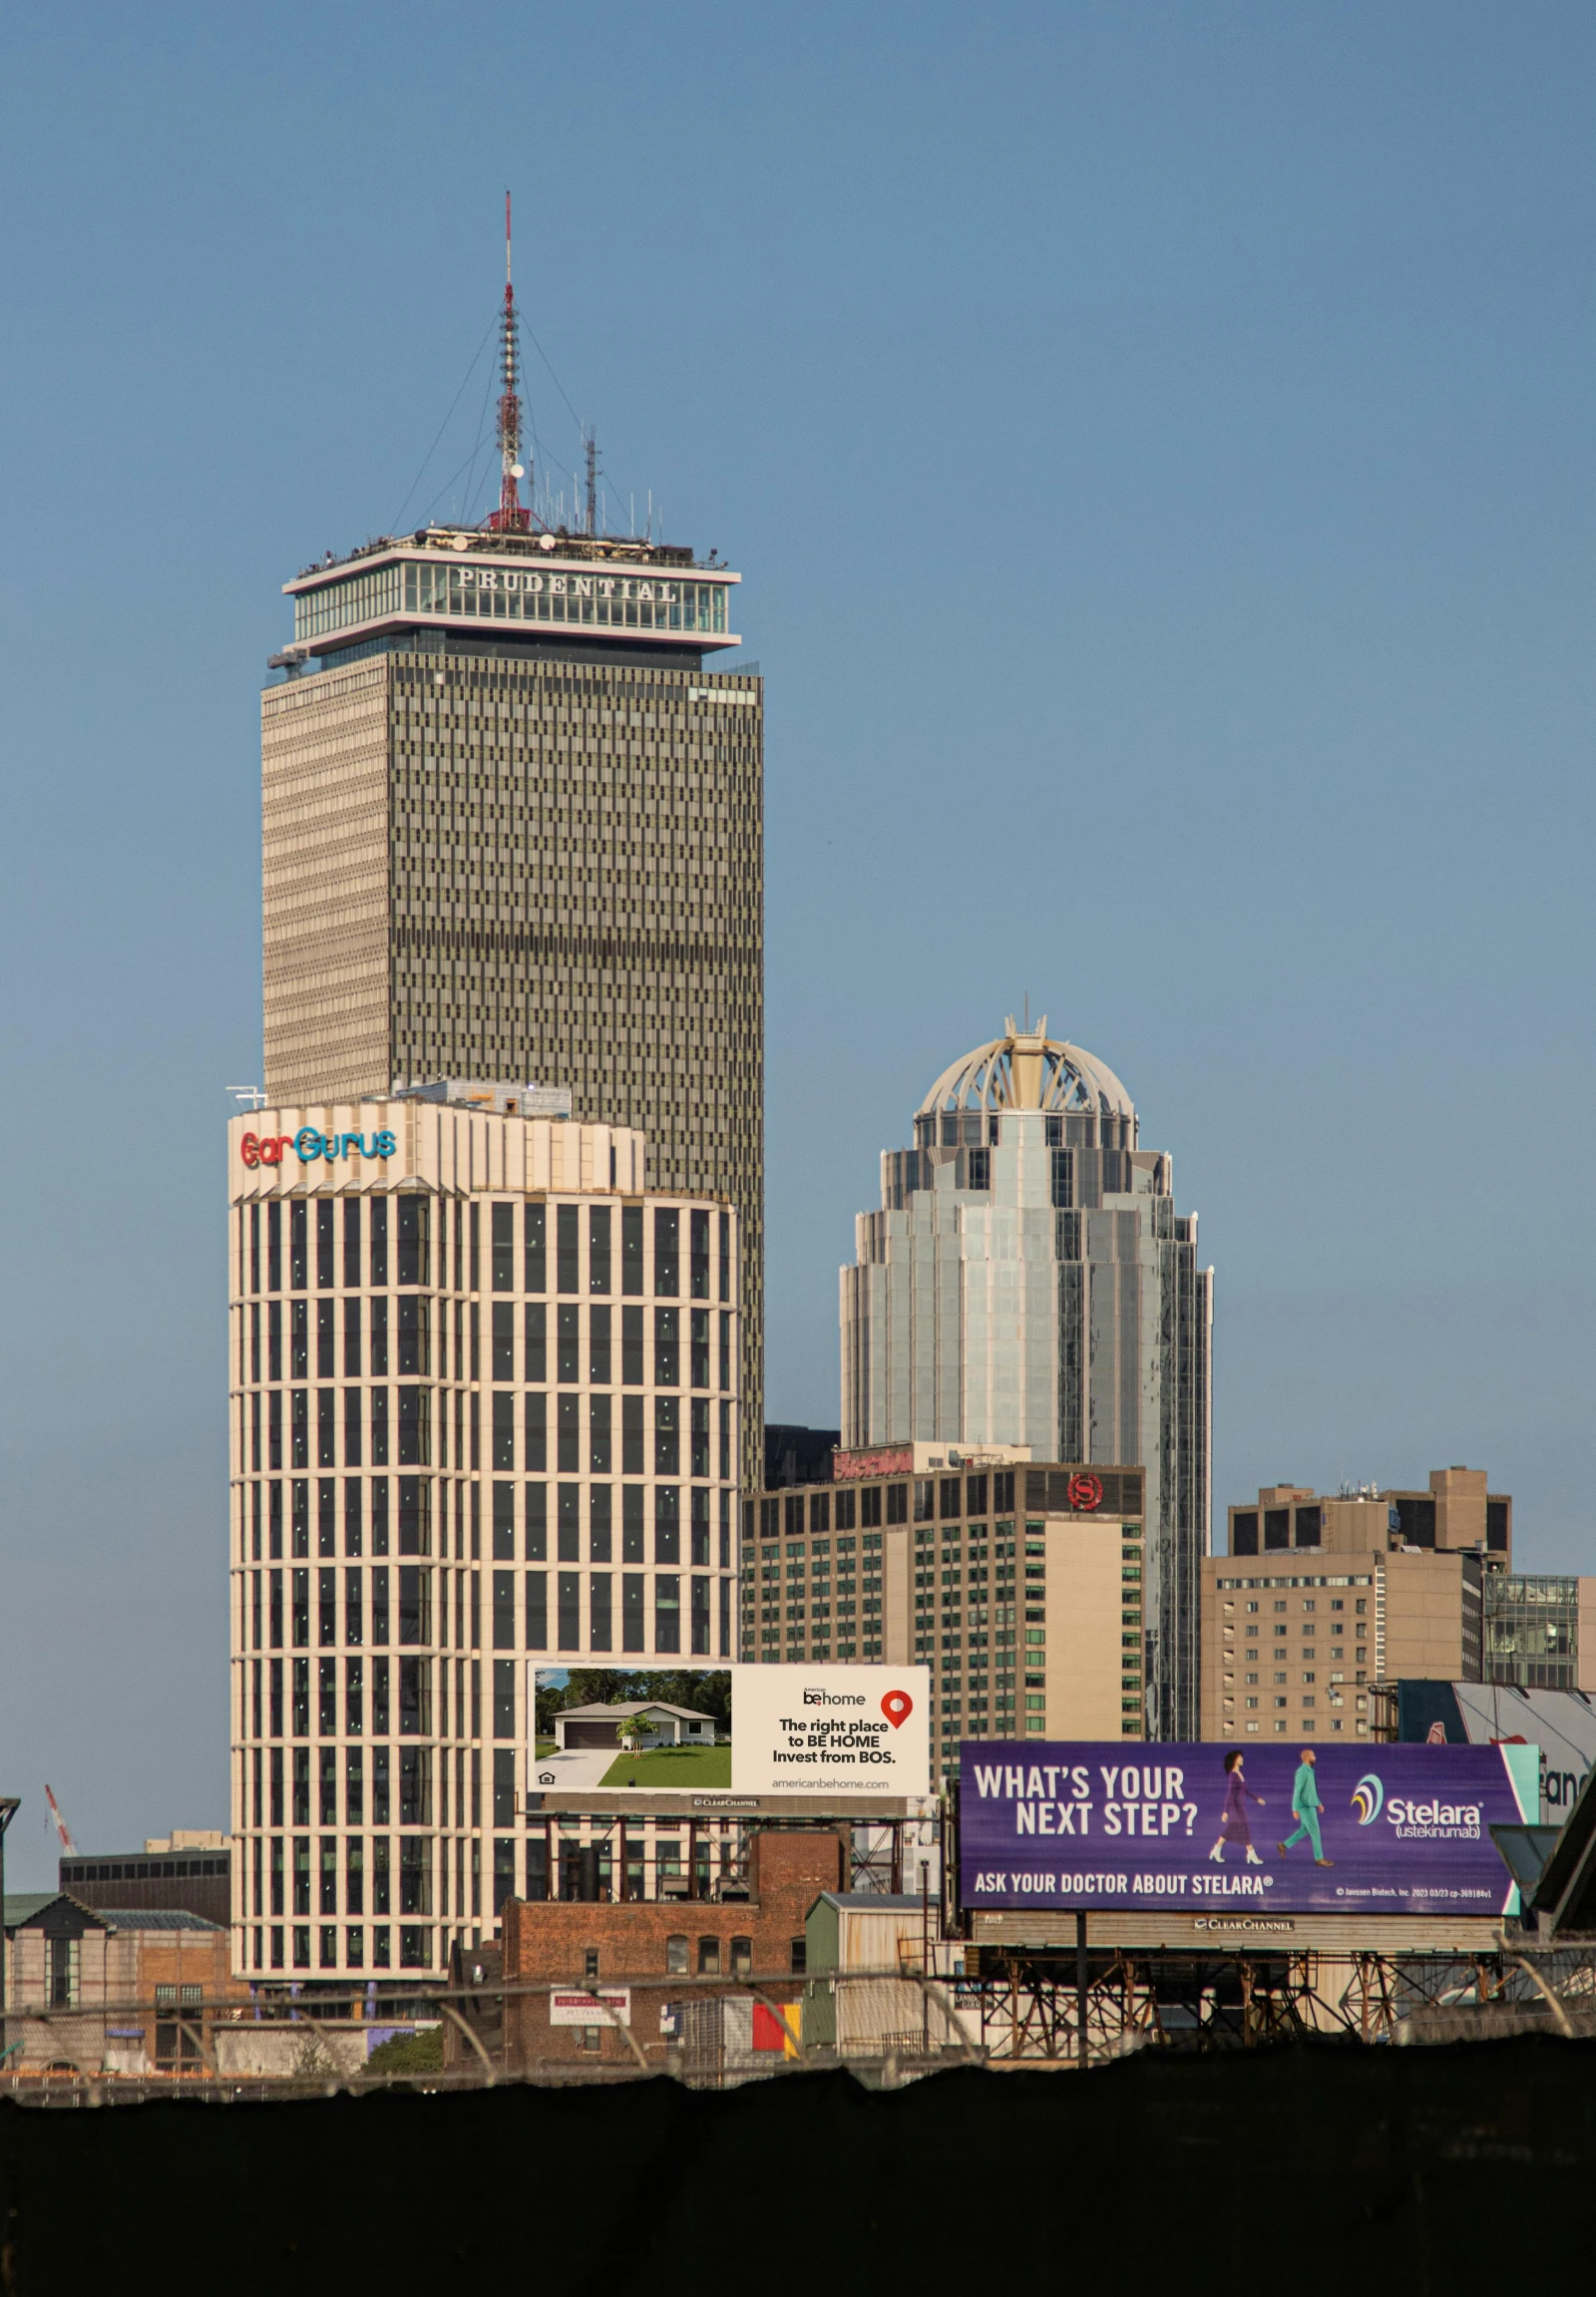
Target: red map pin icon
897, 1706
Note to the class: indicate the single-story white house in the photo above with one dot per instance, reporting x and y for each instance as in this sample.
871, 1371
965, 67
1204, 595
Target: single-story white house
655, 1724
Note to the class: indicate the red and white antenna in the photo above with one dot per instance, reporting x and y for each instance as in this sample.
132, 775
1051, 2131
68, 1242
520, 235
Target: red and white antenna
67, 1844
511, 517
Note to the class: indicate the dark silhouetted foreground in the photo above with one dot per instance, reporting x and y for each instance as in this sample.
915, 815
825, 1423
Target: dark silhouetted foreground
1316, 2168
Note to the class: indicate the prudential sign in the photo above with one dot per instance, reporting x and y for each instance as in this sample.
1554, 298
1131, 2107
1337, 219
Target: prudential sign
1257, 1829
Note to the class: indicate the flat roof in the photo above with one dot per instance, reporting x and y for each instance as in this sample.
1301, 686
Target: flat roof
139, 1857
878, 1902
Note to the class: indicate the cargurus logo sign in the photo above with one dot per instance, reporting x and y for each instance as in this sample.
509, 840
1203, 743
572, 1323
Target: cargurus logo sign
307, 1145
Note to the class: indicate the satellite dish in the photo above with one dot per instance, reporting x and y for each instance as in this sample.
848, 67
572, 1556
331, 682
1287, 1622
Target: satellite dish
461, 543
518, 469
545, 542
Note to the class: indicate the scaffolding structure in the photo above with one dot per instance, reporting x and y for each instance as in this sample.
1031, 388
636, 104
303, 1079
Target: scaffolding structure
1031, 2009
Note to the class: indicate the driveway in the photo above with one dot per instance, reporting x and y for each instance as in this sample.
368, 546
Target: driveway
580, 1768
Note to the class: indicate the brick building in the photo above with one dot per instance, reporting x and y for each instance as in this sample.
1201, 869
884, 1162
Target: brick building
130, 1991
657, 1955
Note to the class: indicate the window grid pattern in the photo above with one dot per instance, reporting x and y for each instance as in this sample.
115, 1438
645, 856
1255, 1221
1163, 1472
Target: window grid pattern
517, 1386
518, 866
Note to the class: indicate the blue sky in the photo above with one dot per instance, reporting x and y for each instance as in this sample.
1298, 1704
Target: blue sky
1157, 442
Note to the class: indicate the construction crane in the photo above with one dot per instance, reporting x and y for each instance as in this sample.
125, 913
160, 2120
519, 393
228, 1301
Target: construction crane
61, 1827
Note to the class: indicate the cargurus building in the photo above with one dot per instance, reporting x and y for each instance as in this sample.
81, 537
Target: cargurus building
1029, 1282
483, 1391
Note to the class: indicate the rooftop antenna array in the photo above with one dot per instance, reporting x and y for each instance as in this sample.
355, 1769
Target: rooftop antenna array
510, 518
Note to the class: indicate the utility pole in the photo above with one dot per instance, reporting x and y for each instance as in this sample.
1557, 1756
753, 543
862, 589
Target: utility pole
1080, 1983
9, 1806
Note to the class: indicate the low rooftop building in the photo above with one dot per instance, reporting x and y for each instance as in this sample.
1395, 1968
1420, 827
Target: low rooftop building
189, 1869
643, 1965
112, 1991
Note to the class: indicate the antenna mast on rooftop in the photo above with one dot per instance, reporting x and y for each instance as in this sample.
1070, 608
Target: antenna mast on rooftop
591, 445
510, 518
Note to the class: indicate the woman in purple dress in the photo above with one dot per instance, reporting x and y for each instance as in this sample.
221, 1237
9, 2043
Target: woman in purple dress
1233, 1826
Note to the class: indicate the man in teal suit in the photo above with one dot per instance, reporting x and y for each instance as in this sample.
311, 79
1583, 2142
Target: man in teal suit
1305, 1809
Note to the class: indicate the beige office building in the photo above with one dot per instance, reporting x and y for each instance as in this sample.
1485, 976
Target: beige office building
1017, 1581
484, 1405
514, 828
1324, 1599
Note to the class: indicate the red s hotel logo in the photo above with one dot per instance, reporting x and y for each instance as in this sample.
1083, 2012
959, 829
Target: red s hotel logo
1085, 1492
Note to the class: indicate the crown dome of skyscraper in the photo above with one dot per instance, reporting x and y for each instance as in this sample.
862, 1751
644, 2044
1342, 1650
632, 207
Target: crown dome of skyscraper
1029, 1069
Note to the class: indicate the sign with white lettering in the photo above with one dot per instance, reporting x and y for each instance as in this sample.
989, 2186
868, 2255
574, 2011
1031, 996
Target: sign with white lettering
1264, 1830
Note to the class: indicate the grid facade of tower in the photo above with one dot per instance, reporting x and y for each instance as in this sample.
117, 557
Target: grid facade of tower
503, 864
476, 1421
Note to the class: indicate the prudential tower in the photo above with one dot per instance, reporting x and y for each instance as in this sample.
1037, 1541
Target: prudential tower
1027, 1280
513, 830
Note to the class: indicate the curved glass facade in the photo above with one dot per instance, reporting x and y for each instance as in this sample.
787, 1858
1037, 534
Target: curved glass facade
1027, 1280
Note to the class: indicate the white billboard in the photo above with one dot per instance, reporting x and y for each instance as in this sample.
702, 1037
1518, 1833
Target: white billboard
831, 1729
628, 1735
591, 2005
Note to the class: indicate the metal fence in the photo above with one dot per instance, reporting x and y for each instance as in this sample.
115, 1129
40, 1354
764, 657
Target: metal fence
888, 2027
707, 2032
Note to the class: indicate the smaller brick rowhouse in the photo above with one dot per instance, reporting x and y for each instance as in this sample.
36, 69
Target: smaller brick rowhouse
665, 1951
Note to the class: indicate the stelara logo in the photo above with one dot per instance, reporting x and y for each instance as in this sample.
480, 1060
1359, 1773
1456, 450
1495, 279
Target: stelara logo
1458, 1819
307, 1145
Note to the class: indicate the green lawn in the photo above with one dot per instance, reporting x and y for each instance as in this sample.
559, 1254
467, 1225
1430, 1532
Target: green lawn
542, 1748
694, 1769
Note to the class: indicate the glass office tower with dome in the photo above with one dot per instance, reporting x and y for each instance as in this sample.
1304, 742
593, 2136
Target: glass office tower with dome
1027, 1280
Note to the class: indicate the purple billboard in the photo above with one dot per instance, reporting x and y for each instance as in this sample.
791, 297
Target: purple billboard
1370, 1830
